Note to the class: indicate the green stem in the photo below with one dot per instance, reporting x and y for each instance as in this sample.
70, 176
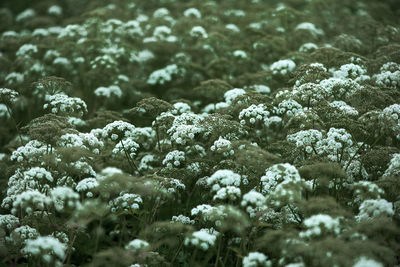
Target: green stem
218, 252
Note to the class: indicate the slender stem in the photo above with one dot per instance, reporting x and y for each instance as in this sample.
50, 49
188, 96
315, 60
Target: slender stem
218, 252
158, 139
68, 258
177, 253
193, 259
98, 236
130, 160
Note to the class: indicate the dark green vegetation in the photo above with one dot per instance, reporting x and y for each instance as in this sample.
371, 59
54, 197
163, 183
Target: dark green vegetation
200, 133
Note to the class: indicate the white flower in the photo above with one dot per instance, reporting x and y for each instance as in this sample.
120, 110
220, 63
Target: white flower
47, 247
366, 262
30, 201
164, 75
307, 26
253, 202
254, 114
26, 51
125, 202
125, 146
137, 245
232, 94
201, 239
283, 67
256, 259
198, 31
222, 146
276, 174
61, 104
64, 197
8, 221
182, 219
174, 158
223, 178
394, 166
316, 224
192, 12
375, 208
231, 193
107, 92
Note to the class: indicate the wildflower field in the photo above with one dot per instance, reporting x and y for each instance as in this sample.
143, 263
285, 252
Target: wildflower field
200, 133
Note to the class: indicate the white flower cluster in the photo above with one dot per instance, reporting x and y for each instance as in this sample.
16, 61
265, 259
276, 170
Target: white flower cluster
118, 130
108, 92
364, 190
145, 162
198, 32
35, 178
309, 94
392, 115
256, 259
125, 146
161, 33
64, 198
31, 152
4, 111
319, 224
61, 104
223, 146
164, 75
201, 240
351, 71
26, 51
288, 108
8, 95
375, 208
223, 178
394, 166
309, 27
232, 94
22, 234
73, 30
389, 75
49, 248
366, 262
87, 185
254, 114
202, 209
25, 15
230, 193
174, 158
308, 47
38, 173
337, 142
8, 222
185, 127
305, 140
192, 12
340, 88
253, 202
182, 219
283, 67
82, 140
125, 202
276, 174
30, 201
145, 136
137, 245
180, 108
343, 109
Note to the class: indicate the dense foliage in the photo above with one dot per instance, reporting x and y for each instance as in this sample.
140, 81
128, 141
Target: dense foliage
200, 133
